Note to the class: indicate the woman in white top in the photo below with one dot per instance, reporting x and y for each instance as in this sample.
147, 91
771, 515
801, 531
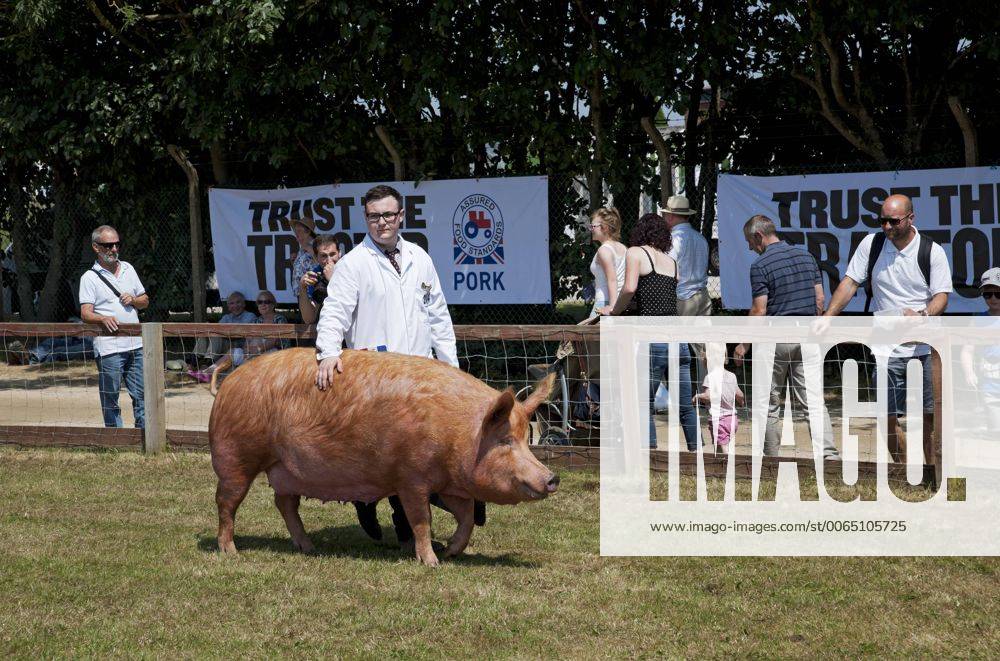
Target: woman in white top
608, 265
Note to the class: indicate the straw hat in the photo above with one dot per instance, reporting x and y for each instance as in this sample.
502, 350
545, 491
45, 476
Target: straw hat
677, 205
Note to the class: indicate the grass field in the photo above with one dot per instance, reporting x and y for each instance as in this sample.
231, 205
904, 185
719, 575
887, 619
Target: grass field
113, 554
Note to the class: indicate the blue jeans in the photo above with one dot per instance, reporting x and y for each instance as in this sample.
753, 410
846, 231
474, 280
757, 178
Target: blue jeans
658, 354
897, 384
109, 379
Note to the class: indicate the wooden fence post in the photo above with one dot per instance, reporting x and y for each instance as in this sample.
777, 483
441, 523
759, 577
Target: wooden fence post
154, 438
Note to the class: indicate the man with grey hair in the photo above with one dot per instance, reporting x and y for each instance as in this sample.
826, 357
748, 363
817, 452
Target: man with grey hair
111, 293
785, 281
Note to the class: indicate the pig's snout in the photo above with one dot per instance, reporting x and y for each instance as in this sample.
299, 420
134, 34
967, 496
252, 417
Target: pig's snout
552, 484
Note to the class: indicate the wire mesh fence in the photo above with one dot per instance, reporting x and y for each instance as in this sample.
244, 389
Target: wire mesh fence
50, 386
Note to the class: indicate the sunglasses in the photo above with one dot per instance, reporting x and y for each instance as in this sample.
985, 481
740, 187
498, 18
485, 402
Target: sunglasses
987, 295
892, 221
108, 244
264, 302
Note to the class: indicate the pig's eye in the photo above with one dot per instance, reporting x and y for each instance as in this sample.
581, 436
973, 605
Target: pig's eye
506, 440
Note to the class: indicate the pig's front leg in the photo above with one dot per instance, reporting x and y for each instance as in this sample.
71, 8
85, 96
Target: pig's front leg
418, 512
462, 510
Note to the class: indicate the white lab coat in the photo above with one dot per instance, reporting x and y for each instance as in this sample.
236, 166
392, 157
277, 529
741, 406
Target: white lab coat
371, 306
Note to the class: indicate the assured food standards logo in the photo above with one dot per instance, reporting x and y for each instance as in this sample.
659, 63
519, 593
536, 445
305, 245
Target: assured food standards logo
477, 231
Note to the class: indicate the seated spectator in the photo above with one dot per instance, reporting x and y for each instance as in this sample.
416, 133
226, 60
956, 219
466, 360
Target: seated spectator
216, 348
254, 346
312, 284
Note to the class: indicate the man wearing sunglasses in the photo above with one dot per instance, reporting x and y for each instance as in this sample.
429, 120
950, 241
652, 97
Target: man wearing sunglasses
899, 287
111, 293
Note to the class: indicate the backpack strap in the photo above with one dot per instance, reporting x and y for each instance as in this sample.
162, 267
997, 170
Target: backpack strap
873, 254
924, 257
923, 261
105, 281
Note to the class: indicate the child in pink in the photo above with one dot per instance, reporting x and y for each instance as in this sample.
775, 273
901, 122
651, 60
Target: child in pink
721, 383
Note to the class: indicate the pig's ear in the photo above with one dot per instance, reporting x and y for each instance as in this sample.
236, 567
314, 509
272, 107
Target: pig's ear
540, 393
498, 415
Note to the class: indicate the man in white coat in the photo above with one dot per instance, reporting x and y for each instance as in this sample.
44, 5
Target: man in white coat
384, 296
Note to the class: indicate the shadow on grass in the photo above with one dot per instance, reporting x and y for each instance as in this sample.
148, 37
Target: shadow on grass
351, 542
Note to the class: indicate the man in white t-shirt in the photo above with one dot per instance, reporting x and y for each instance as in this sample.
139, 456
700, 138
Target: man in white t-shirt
899, 287
111, 293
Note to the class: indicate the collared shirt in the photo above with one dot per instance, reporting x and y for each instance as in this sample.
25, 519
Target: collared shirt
897, 282
788, 276
690, 250
98, 294
370, 306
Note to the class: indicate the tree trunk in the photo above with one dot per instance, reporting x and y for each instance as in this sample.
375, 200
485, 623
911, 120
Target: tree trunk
194, 219
969, 136
691, 137
220, 168
709, 177
398, 172
595, 178
48, 301
662, 156
19, 240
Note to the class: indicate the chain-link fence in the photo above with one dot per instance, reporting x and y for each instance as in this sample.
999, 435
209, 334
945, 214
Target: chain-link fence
155, 231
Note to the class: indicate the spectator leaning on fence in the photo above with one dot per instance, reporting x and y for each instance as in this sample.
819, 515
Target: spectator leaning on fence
785, 281
651, 279
218, 349
608, 265
111, 293
909, 275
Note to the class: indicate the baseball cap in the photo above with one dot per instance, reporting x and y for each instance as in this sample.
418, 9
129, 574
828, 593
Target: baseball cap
990, 277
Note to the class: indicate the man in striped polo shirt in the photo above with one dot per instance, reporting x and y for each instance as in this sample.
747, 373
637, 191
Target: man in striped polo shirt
785, 281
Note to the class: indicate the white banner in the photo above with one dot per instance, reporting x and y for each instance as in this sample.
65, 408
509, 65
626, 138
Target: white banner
475, 230
829, 214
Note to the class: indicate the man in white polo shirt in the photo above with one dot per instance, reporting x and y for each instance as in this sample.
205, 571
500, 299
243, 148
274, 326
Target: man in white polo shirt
110, 292
900, 285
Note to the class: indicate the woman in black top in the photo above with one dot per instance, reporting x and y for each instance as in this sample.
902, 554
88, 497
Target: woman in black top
651, 279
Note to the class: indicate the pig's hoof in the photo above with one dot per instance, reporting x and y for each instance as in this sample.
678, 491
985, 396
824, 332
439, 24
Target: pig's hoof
304, 545
453, 551
228, 548
430, 560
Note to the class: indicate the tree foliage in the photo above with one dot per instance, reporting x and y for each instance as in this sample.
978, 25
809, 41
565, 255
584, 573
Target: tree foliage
302, 91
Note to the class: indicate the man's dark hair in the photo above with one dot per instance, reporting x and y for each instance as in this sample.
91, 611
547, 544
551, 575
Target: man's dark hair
324, 240
381, 191
651, 230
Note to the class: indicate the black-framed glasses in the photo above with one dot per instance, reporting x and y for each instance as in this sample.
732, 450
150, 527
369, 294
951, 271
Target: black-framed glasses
109, 244
892, 221
987, 295
386, 216
264, 302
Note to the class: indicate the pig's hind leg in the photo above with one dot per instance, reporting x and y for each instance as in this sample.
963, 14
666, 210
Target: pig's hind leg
462, 510
229, 494
289, 508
